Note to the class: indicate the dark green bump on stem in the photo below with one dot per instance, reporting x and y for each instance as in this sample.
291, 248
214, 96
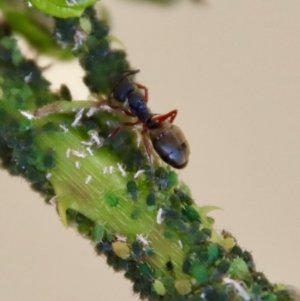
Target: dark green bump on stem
111, 199
222, 269
184, 197
186, 266
149, 252
150, 199
168, 234
104, 248
247, 257
269, 297
65, 93
236, 252
98, 233
109, 236
137, 250
161, 178
199, 271
175, 201
191, 214
136, 213
283, 295
146, 271
49, 159
132, 190
172, 179
213, 294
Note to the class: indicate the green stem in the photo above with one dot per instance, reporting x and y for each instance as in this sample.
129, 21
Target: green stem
153, 232
104, 199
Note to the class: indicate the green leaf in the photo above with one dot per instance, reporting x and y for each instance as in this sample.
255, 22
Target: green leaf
35, 28
62, 8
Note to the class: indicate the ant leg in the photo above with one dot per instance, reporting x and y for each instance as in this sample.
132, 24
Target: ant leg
145, 91
124, 110
149, 155
128, 73
171, 115
117, 130
110, 97
71, 106
64, 107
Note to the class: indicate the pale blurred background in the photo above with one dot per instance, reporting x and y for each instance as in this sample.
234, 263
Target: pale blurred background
232, 69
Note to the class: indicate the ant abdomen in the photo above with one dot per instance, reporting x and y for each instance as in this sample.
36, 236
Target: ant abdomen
170, 143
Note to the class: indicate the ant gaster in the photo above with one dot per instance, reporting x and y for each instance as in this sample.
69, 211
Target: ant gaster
167, 139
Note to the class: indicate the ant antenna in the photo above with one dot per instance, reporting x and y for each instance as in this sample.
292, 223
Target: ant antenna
128, 73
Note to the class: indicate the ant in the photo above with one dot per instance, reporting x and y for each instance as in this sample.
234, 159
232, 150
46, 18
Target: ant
167, 139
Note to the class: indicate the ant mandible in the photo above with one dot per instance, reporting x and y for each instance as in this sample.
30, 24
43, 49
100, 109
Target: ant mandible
167, 139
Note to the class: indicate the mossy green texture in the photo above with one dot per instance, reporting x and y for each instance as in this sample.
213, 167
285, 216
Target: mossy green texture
150, 230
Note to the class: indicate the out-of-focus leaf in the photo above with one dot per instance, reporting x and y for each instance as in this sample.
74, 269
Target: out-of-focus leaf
62, 8
35, 34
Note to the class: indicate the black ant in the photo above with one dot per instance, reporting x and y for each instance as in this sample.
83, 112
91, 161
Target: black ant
167, 139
